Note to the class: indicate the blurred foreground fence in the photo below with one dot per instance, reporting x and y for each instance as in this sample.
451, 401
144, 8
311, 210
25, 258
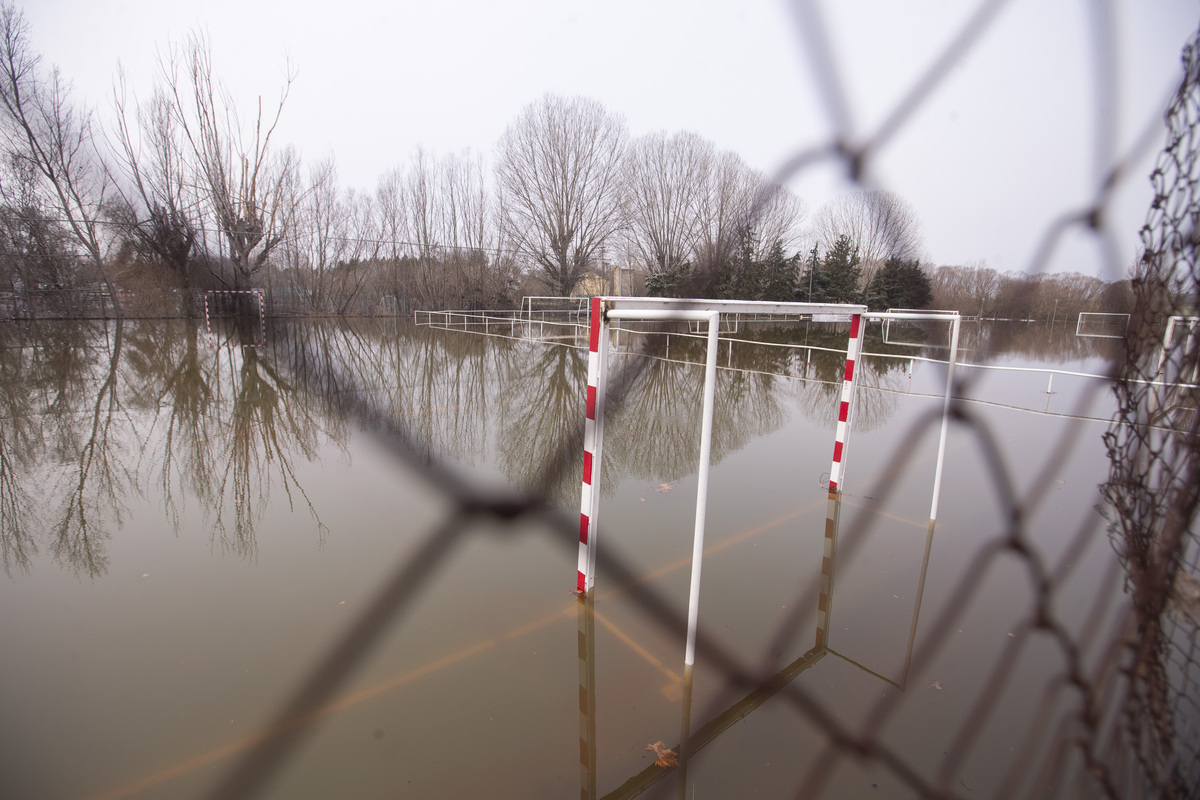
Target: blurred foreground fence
1121, 717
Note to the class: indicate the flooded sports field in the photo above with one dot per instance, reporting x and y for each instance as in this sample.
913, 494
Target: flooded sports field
252, 570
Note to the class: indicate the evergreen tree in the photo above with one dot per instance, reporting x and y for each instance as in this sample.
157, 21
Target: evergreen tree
672, 283
835, 278
812, 281
779, 275
740, 278
899, 284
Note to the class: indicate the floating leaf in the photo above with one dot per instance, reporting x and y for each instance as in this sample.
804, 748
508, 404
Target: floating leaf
664, 487
666, 758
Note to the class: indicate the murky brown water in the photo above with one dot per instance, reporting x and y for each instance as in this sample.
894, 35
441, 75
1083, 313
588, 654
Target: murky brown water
188, 531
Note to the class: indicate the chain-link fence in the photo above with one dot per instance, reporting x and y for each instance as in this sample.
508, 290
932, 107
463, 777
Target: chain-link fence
1154, 484
1118, 717
1121, 718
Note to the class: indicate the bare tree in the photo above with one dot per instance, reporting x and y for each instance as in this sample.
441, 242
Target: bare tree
777, 216
45, 133
983, 283
243, 175
664, 182
156, 205
317, 224
422, 206
35, 249
881, 225
469, 226
391, 202
724, 212
558, 171
362, 226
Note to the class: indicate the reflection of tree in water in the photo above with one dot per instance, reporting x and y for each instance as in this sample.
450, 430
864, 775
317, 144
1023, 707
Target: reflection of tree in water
226, 429
21, 440
95, 488
979, 341
63, 360
545, 406
89, 412
262, 434
819, 357
453, 380
60, 395
173, 386
438, 386
653, 433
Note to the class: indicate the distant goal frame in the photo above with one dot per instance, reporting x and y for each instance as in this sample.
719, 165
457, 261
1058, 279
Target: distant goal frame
1079, 325
262, 317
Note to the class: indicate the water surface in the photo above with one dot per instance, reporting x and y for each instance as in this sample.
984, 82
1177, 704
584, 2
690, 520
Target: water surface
188, 531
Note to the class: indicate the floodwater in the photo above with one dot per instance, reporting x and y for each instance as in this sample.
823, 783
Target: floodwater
192, 536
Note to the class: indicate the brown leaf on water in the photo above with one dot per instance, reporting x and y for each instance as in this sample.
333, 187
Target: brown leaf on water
666, 758
664, 487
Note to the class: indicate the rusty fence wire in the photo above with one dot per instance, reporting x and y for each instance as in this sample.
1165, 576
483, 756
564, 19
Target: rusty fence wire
1130, 674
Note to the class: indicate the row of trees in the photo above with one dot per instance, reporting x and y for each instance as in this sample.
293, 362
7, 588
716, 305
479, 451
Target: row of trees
978, 290
177, 190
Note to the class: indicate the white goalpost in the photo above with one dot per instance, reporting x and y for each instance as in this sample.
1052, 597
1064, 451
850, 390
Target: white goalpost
1102, 325
604, 310
225, 304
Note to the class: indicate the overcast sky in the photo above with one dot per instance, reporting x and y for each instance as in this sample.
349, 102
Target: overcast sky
1003, 145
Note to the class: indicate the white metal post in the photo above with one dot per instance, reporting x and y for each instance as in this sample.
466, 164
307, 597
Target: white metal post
941, 456
710, 390
706, 423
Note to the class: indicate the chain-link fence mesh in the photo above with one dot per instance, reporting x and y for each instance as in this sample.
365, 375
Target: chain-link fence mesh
1120, 719
1154, 483
1120, 716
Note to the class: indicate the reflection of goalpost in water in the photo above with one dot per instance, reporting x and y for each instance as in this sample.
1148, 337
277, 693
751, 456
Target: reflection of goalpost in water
606, 309
235, 318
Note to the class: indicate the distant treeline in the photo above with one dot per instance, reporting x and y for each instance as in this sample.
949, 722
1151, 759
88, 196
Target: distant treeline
1016, 295
168, 192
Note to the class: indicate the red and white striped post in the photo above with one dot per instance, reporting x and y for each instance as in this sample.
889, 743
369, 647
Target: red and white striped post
593, 445
845, 416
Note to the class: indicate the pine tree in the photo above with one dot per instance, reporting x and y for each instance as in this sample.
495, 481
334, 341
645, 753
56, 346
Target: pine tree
834, 279
899, 284
778, 272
